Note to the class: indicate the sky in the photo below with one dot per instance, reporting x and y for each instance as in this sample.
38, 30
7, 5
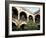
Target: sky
32, 9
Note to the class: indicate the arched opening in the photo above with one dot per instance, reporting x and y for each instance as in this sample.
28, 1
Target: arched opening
37, 18
23, 16
14, 13
30, 18
23, 27
13, 26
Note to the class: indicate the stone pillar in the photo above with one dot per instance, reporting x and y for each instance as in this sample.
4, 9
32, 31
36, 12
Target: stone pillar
34, 19
18, 16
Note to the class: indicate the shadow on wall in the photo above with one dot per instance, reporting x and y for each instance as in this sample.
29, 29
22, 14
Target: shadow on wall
14, 13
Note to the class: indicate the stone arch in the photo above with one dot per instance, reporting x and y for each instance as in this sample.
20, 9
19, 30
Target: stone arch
15, 12
14, 22
30, 17
23, 16
37, 18
23, 23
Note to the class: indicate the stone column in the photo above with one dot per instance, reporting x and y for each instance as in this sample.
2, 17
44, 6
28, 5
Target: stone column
18, 16
33, 18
